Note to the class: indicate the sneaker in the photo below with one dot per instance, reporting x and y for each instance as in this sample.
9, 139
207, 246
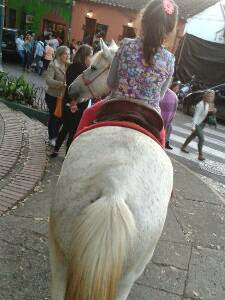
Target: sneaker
168, 146
184, 150
52, 142
201, 157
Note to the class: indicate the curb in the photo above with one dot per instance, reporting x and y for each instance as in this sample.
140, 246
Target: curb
32, 113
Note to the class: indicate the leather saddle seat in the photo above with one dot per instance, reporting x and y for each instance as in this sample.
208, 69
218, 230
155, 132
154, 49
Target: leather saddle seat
131, 110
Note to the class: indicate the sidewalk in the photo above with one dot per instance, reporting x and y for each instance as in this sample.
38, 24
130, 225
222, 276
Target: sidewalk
188, 262
22, 156
16, 70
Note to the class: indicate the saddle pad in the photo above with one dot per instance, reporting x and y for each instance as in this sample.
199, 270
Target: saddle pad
89, 116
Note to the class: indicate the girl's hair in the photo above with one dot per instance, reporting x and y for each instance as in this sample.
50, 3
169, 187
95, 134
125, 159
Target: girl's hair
61, 50
174, 84
156, 24
81, 54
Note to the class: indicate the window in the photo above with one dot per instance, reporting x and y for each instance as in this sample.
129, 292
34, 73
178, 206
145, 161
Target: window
101, 30
12, 18
128, 32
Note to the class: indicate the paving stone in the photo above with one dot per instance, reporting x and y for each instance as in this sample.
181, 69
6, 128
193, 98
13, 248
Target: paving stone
187, 191
172, 254
26, 176
140, 292
206, 280
23, 182
7, 195
16, 188
172, 230
170, 279
203, 223
11, 192
23, 288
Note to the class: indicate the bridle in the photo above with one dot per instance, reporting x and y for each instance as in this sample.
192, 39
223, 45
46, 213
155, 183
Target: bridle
87, 82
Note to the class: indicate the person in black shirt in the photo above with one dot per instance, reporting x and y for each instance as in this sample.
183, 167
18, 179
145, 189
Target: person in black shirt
71, 118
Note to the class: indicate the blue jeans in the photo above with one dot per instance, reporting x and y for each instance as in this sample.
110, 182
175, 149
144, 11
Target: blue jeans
28, 60
21, 54
53, 122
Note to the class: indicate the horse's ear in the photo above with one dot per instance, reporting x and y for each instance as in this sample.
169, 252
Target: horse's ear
105, 48
113, 45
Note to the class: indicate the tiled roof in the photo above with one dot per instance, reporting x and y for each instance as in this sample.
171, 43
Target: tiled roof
187, 8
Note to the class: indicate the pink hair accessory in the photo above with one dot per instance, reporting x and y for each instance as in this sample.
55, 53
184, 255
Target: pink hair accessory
168, 6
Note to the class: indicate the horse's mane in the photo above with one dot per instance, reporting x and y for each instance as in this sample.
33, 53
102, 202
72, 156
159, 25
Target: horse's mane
96, 58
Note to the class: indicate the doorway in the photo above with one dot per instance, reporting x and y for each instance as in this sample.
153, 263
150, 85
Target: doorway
89, 31
128, 32
50, 27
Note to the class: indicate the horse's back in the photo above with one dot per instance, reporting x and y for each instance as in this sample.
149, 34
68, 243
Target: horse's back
113, 162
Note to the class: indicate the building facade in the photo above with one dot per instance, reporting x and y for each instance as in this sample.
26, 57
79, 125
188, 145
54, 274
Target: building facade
212, 20
39, 16
118, 19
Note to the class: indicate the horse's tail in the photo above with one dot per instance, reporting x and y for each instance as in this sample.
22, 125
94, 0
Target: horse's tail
101, 238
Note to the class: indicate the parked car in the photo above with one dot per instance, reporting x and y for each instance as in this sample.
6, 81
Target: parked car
9, 43
193, 98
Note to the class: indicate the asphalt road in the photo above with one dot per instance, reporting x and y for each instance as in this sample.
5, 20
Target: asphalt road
212, 170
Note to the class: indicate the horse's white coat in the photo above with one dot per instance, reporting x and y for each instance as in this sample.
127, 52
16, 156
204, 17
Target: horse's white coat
120, 163
115, 164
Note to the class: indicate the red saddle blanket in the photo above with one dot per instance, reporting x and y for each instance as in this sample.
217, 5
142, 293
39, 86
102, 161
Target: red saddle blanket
90, 115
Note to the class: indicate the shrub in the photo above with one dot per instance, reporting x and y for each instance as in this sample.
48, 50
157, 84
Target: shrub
17, 89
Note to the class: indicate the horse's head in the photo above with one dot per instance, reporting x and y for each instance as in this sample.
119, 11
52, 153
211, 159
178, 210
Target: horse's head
92, 83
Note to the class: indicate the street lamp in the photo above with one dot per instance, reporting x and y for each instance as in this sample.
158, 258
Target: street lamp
2, 12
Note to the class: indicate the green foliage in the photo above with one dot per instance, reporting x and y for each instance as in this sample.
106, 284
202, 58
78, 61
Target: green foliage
39, 9
17, 89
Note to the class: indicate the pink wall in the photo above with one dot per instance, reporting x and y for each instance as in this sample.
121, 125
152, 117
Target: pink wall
114, 17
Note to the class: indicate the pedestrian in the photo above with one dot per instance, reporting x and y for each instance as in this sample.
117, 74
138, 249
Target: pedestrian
142, 67
199, 121
20, 49
73, 49
168, 106
48, 55
71, 113
53, 40
28, 52
38, 55
56, 82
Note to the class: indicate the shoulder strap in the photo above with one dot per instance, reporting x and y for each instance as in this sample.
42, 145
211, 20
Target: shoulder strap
42, 44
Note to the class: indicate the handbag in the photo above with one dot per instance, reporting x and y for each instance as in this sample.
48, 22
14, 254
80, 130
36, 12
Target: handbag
58, 108
211, 120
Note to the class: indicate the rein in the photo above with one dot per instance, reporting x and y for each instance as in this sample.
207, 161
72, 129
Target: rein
87, 82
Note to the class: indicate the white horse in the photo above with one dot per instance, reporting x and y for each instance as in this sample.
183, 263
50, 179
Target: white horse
109, 207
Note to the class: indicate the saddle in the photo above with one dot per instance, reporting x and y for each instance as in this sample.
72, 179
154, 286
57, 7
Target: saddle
131, 110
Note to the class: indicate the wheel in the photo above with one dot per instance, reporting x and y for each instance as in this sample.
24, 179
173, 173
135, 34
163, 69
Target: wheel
185, 108
190, 109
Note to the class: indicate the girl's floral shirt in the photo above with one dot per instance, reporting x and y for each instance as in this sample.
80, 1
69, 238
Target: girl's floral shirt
129, 77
